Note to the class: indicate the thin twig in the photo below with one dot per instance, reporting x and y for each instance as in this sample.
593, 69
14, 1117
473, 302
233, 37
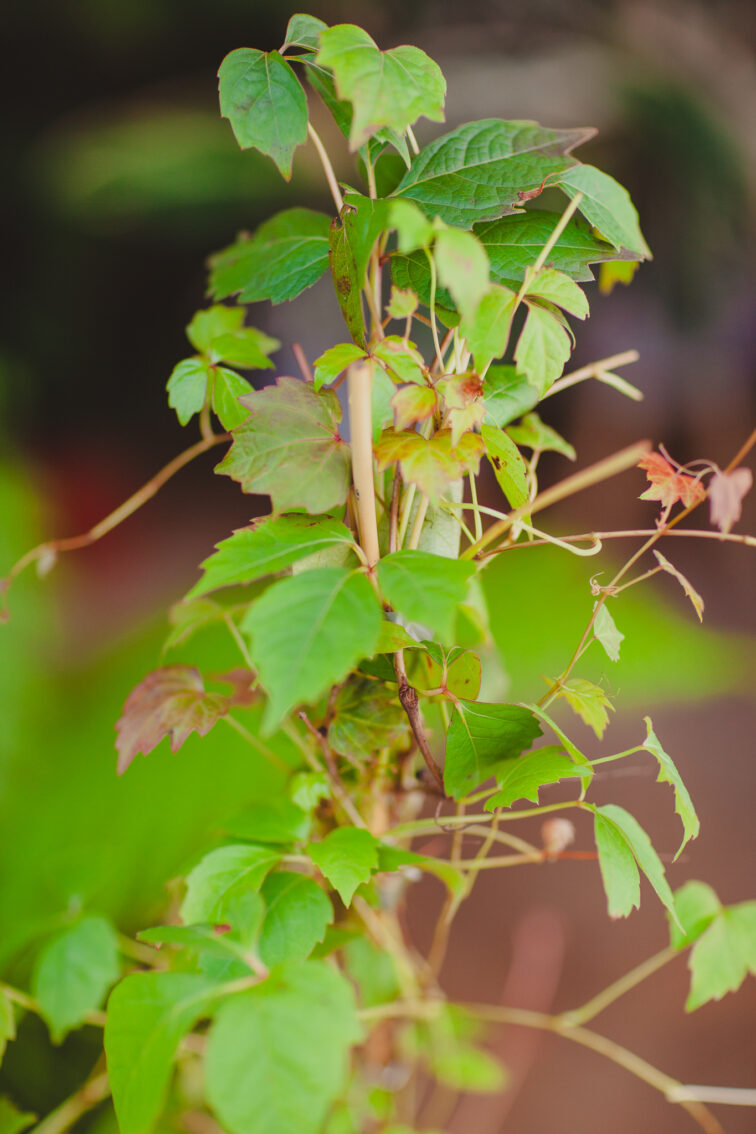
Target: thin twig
325, 161
410, 704
95, 1091
331, 772
359, 382
302, 362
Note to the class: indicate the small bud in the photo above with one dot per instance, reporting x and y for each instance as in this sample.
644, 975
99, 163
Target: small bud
557, 835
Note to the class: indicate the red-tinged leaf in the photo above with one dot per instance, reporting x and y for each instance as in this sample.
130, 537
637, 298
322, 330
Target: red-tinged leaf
726, 492
691, 592
412, 404
667, 485
169, 702
432, 464
463, 400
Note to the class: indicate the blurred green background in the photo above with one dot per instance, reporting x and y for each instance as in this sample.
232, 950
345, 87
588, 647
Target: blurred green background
120, 179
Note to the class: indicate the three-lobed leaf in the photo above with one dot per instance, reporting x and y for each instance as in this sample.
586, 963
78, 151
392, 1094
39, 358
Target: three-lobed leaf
221, 874
480, 738
73, 972
624, 847
347, 857
589, 701
265, 104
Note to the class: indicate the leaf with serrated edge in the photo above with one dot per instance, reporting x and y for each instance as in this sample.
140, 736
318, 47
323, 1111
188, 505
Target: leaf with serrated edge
462, 266
508, 465
642, 849
668, 774
523, 776
480, 737
619, 871
433, 465
605, 631
607, 205
412, 404
536, 435
296, 915
696, 600
187, 387
366, 717
487, 331
425, 588
723, 955
221, 872
307, 632
506, 395
290, 448
347, 857
286, 255
542, 348
558, 288
73, 972
481, 170
265, 104
696, 906
334, 361
589, 701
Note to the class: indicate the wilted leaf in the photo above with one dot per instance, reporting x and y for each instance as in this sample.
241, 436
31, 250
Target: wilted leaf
726, 492
605, 631
668, 485
286, 255
265, 104
347, 857
668, 774
290, 448
690, 591
589, 701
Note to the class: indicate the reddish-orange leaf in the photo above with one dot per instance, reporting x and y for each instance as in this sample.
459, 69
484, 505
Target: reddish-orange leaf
667, 485
411, 404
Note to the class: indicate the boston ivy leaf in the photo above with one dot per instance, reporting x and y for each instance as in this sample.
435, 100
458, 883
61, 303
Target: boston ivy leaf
385, 88
542, 348
619, 871
522, 776
695, 598
277, 1054
224, 871
346, 279
218, 333
347, 857
265, 104
412, 404
433, 465
607, 205
668, 774
413, 229
589, 701
272, 821
668, 485
7, 1022
228, 388
286, 255
396, 858
208, 939
638, 842
307, 632
400, 359
270, 545
403, 302
483, 169
696, 906
425, 588
462, 266
508, 465
13, 1120
296, 915
487, 330
334, 361
303, 31
557, 287
411, 272
171, 701
366, 718
187, 387
605, 631
726, 492
506, 395
480, 737
73, 972
290, 448
536, 435
723, 955
148, 1016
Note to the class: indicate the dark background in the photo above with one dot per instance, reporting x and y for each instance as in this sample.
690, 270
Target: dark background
119, 179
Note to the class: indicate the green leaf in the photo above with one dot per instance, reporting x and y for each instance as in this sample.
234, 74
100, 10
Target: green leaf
668, 774
347, 857
187, 387
199, 938
334, 361
303, 31
462, 266
290, 448
605, 631
373, 971
619, 871
484, 169
286, 255
468, 1068
559, 288
385, 88
696, 906
589, 701
277, 1056
228, 388
296, 915
391, 859
577, 757
400, 359
411, 272
542, 349
480, 737
148, 1016
487, 330
308, 632
403, 302
212, 323
73, 972
306, 789
643, 852
346, 279
536, 435
506, 395
271, 821
271, 545
522, 776
607, 205
366, 717
413, 229
222, 873
432, 465
12, 1120
265, 104
425, 588
218, 333
7, 1022
723, 955
411, 404
508, 465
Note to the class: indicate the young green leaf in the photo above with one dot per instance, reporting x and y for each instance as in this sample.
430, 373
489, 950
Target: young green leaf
308, 632
187, 387
536, 435
589, 701
290, 448
228, 388
723, 955
385, 88
205, 939
542, 348
7, 1022
265, 104
668, 774
605, 631
506, 395
412, 404
277, 1056
508, 465
296, 915
425, 588
224, 872
480, 738
619, 871
487, 330
270, 545
521, 776
411, 272
347, 857
413, 229
148, 1016
462, 266
13, 1120
73, 972
483, 169
403, 302
696, 906
303, 31
468, 1068
607, 205
366, 718
218, 333
271, 821
432, 465
638, 842
286, 255
334, 361
396, 858
400, 359
558, 288
577, 757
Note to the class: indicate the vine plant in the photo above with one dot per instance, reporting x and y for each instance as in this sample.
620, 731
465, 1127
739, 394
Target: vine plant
287, 971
